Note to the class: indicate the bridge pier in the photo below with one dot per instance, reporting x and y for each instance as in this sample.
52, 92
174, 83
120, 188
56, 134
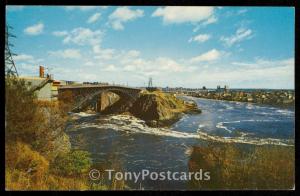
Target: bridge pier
105, 100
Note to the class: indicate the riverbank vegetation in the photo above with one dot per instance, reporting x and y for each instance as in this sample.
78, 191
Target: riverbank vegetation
38, 154
240, 166
277, 98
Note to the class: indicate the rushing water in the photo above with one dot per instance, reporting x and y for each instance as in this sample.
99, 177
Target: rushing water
135, 146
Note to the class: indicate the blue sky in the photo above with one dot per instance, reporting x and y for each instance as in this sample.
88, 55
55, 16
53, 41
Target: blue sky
243, 47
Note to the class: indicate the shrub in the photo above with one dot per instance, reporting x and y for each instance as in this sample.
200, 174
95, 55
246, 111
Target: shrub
37, 123
238, 166
18, 180
21, 157
25, 168
20, 111
74, 163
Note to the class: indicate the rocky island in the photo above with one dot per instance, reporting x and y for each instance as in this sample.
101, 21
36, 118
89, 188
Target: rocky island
156, 108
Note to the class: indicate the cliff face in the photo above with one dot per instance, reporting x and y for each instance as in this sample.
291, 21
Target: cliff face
156, 108
160, 109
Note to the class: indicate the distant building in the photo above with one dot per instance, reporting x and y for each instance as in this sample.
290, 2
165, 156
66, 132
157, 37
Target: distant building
45, 93
46, 88
222, 90
226, 88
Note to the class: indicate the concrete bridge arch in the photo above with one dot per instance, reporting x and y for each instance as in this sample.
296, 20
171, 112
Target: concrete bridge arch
87, 95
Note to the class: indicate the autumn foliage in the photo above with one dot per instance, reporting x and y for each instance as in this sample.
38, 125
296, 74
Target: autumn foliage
35, 142
239, 166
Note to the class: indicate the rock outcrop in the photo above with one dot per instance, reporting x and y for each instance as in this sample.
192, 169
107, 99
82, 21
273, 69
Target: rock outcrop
156, 108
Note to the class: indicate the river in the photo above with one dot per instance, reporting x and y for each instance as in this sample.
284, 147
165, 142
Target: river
135, 146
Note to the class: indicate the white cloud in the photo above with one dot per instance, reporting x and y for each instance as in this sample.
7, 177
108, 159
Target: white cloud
256, 74
60, 33
23, 57
242, 11
200, 38
110, 67
14, 7
27, 69
122, 15
237, 12
167, 64
146, 67
104, 54
27, 59
83, 8
262, 74
240, 35
94, 18
66, 54
182, 14
133, 53
208, 56
89, 63
34, 29
27, 64
130, 66
83, 36
156, 66
263, 63
211, 20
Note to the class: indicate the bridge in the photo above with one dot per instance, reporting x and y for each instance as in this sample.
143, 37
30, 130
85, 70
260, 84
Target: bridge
85, 95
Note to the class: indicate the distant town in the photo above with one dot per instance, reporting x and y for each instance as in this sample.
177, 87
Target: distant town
282, 97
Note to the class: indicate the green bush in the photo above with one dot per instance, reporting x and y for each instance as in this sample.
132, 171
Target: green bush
74, 163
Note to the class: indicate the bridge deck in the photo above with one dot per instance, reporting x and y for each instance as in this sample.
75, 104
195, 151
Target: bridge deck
96, 86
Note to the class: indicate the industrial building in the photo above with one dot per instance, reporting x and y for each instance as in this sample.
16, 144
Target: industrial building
45, 87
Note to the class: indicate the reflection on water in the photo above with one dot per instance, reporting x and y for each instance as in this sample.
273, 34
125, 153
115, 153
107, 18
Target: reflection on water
137, 146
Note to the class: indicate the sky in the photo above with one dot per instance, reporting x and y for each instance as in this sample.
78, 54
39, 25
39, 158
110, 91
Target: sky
242, 47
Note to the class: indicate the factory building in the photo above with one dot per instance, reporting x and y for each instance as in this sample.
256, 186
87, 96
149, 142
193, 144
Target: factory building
45, 87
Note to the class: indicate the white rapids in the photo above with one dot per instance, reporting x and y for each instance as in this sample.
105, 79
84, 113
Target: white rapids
132, 125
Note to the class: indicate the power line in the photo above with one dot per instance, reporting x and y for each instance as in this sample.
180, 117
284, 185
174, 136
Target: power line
10, 67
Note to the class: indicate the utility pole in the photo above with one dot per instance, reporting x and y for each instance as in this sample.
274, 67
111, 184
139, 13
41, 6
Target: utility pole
10, 67
150, 83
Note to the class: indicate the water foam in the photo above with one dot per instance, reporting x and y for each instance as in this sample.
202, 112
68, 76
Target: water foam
221, 125
132, 125
285, 112
81, 114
